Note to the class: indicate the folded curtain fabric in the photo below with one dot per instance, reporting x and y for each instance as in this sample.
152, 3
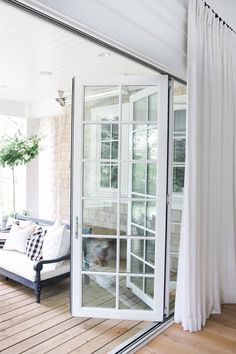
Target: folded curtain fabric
207, 259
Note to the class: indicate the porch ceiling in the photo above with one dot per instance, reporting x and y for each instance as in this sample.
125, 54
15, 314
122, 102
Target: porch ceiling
30, 45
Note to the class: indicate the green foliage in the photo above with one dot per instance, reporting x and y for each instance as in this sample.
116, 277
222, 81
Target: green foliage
17, 150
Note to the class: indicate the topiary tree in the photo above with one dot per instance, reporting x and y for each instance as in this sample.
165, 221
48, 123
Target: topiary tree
17, 150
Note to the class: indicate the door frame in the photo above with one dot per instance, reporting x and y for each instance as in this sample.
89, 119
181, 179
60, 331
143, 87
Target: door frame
76, 197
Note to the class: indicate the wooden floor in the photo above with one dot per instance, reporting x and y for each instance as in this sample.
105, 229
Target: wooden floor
28, 327
217, 337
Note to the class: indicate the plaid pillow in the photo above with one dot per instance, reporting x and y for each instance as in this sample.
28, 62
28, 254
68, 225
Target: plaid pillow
34, 244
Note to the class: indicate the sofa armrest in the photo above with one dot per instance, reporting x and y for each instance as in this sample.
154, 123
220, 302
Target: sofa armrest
38, 266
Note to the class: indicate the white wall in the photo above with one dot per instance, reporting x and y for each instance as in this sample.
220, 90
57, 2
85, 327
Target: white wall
154, 30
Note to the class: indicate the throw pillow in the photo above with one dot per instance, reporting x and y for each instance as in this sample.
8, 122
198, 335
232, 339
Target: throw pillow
34, 244
16, 241
22, 223
56, 244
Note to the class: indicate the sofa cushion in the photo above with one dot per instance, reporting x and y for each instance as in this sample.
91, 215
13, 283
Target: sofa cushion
16, 240
56, 243
22, 223
18, 263
34, 244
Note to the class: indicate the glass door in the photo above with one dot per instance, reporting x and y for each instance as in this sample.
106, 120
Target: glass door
119, 174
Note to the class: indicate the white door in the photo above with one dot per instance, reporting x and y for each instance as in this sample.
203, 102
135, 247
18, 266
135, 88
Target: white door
119, 174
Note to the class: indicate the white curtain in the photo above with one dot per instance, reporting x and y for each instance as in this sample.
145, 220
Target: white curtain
207, 260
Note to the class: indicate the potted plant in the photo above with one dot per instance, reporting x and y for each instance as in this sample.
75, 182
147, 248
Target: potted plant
17, 150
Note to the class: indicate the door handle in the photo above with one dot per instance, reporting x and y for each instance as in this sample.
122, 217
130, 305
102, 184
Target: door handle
76, 227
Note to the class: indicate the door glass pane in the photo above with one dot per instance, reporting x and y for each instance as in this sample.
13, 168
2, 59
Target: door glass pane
114, 176
178, 179
114, 150
101, 216
180, 120
135, 102
99, 254
99, 291
150, 251
152, 107
139, 178
151, 179
179, 149
151, 215
128, 300
136, 266
137, 247
105, 150
152, 143
105, 176
135, 258
101, 103
140, 110
106, 131
97, 176
149, 287
137, 231
138, 213
139, 142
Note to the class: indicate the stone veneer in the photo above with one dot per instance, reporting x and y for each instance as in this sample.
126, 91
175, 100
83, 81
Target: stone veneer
54, 166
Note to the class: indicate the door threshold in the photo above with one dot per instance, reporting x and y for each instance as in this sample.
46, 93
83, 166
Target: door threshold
141, 338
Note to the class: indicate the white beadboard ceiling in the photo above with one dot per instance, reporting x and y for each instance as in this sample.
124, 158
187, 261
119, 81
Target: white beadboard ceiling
154, 30
30, 45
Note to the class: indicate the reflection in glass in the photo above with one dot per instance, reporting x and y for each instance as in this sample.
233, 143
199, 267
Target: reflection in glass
106, 131
179, 149
105, 176
136, 266
105, 150
114, 150
101, 103
99, 255
97, 176
151, 215
140, 110
138, 212
150, 251
152, 143
102, 288
127, 298
101, 216
138, 178
149, 287
178, 179
137, 247
136, 231
114, 176
152, 107
137, 281
151, 179
139, 143
180, 120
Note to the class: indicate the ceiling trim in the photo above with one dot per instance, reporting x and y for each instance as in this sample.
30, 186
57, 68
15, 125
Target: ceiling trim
43, 12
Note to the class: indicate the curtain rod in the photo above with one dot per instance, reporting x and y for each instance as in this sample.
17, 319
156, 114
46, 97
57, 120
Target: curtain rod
217, 16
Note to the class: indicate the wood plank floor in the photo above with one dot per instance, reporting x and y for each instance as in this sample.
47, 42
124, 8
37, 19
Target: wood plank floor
28, 327
217, 337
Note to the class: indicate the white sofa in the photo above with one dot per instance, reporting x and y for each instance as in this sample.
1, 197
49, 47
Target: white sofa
17, 266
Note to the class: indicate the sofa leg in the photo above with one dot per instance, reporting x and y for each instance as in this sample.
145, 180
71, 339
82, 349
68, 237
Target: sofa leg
38, 287
38, 294
6, 278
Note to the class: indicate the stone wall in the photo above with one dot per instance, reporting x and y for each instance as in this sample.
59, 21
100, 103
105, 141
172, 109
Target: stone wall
54, 167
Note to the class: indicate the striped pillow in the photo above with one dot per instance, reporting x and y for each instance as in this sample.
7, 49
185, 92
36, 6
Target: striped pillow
34, 244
